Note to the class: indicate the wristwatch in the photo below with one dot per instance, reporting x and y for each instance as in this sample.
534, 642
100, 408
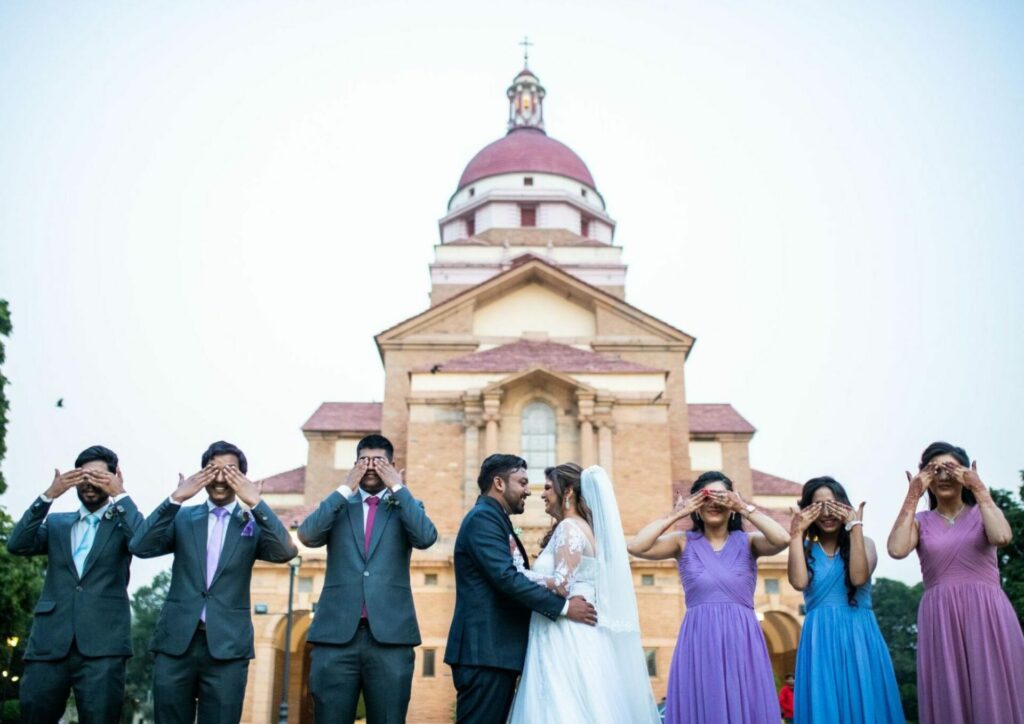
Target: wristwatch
750, 509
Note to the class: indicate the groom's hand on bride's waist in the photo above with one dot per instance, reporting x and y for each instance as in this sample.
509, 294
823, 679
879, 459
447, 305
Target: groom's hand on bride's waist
581, 611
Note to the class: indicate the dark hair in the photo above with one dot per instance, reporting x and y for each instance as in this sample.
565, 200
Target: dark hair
944, 448
97, 452
705, 479
376, 442
566, 477
225, 448
813, 531
498, 464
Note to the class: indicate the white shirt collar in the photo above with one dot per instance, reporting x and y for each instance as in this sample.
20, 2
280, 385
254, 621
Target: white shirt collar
365, 496
230, 506
83, 511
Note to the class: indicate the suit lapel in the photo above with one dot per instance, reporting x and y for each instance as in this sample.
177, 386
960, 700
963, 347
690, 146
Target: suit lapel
355, 518
232, 536
103, 531
199, 523
507, 524
62, 530
379, 523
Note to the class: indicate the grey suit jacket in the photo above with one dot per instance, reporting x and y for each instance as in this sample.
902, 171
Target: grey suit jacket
182, 531
92, 609
381, 579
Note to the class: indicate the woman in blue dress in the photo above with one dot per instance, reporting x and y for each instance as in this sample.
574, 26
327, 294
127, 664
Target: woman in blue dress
843, 669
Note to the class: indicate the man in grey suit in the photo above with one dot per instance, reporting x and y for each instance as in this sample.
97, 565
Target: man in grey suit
81, 631
365, 626
203, 640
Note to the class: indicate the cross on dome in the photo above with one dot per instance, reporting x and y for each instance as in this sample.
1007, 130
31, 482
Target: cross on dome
525, 42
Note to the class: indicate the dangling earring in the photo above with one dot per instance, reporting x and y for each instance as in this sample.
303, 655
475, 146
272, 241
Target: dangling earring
567, 504
698, 516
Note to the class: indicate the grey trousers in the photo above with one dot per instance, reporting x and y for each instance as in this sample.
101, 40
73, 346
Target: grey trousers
180, 683
382, 672
98, 683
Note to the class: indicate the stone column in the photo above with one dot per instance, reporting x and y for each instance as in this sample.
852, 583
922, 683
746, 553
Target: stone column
605, 430
491, 416
585, 403
472, 420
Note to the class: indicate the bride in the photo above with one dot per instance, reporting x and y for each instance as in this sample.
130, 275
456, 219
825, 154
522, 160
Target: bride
575, 673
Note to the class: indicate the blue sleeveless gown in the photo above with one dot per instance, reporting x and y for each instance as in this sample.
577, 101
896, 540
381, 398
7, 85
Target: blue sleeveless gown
843, 669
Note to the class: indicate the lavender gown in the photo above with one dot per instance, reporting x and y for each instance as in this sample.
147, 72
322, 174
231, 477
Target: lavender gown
720, 669
970, 649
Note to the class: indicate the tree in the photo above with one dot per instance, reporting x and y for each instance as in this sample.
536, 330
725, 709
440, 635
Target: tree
5, 331
146, 605
21, 579
895, 605
1011, 557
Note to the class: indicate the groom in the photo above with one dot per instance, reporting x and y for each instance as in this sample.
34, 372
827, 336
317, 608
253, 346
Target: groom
493, 599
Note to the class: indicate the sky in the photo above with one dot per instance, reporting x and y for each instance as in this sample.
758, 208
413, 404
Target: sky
207, 210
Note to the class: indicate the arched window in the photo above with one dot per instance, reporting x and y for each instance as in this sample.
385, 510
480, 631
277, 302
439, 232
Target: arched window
538, 439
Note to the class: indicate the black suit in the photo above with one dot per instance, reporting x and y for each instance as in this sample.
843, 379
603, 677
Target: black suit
207, 661
488, 636
81, 631
372, 655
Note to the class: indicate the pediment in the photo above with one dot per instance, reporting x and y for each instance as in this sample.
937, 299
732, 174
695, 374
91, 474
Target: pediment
553, 298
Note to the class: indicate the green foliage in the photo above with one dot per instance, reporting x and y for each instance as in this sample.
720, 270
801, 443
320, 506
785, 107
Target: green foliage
146, 605
1011, 558
895, 605
21, 580
5, 331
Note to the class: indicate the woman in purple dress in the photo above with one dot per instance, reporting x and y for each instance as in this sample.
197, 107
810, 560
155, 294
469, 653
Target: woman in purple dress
720, 670
970, 649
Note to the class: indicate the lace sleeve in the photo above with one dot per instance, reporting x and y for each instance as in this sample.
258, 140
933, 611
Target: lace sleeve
569, 544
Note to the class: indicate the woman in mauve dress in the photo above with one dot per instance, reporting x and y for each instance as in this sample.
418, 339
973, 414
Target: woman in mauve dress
720, 669
970, 648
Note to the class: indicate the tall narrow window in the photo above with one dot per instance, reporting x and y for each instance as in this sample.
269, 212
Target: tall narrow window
470, 225
527, 215
585, 227
652, 662
429, 656
538, 439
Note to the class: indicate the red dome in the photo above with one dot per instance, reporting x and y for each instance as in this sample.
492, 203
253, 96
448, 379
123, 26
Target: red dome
526, 149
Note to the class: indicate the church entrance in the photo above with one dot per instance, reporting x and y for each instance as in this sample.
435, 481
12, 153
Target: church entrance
782, 634
300, 701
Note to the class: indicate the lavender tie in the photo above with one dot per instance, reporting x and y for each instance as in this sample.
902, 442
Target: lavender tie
214, 544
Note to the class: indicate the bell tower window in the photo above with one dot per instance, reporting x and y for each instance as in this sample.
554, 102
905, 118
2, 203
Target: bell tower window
470, 225
527, 216
538, 439
585, 227
528, 181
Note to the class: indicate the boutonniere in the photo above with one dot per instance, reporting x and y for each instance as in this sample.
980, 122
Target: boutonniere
518, 531
248, 528
391, 502
109, 514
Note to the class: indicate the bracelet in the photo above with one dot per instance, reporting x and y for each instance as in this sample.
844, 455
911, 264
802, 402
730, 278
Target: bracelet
749, 510
852, 523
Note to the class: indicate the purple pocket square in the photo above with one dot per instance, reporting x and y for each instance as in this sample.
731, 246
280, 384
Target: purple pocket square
248, 529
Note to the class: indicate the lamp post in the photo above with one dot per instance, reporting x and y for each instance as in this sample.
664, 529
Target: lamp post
282, 716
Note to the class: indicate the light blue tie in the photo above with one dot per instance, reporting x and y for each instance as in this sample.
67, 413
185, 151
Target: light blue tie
85, 545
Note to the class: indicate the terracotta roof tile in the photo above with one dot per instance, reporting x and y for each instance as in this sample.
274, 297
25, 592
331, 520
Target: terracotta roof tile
293, 517
710, 418
345, 417
292, 481
523, 354
765, 484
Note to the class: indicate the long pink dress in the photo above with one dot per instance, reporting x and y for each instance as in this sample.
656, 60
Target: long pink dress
970, 649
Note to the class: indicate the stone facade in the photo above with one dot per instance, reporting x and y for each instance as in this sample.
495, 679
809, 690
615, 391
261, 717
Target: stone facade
526, 348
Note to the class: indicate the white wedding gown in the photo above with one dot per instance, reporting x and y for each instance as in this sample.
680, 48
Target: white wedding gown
579, 674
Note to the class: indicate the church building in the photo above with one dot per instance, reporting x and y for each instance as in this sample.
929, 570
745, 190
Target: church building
529, 346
